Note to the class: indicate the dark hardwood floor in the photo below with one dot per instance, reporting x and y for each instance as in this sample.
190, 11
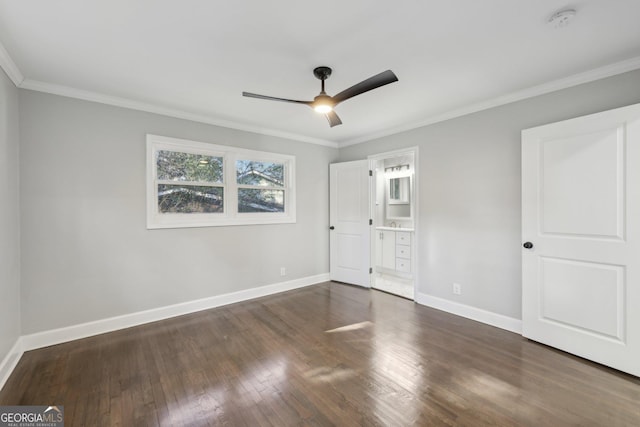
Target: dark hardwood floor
284, 361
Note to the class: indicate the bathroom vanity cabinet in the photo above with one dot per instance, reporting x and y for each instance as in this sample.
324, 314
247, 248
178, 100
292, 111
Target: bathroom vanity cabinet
394, 249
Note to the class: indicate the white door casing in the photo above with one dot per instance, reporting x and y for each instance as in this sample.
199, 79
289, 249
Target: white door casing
581, 212
349, 240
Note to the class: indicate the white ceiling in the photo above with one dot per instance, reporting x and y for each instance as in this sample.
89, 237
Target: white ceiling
193, 58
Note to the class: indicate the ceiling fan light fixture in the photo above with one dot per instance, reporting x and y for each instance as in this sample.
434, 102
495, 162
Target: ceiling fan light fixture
323, 103
322, 108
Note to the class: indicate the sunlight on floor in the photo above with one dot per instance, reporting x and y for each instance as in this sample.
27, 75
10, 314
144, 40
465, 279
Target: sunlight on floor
326, 374
351, 327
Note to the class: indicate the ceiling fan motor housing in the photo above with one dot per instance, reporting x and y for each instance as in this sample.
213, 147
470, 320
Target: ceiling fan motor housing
322, 73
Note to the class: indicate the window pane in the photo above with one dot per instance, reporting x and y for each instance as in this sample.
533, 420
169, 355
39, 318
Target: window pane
265, 174
256, 200
175, 166
189, 199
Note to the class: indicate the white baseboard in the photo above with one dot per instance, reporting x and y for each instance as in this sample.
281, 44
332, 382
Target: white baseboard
70, 333
10, 361
473, 313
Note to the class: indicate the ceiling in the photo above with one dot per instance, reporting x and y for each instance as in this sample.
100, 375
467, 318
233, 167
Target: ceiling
193, 58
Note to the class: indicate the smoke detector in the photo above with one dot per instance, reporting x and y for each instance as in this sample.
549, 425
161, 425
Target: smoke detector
561, 19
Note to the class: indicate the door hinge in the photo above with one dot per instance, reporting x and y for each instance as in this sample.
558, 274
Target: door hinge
370, 222
370, 270
370, 172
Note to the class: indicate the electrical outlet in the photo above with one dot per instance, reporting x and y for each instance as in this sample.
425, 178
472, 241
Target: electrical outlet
457, 289
283, 271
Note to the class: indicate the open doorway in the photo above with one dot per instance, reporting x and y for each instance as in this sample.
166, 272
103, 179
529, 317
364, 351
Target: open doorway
394, 210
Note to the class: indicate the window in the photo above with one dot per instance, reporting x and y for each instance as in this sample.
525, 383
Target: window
194, 184
189, 183
260, 186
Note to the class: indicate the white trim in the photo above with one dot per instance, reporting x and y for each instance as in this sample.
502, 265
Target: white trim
552, 86
498, 320
395, 153
10, 361
10, 67
83, 330
415, 152
169, 112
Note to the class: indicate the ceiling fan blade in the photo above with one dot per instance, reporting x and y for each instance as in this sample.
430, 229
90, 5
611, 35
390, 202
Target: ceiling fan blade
273, 98
371, 83
333, 118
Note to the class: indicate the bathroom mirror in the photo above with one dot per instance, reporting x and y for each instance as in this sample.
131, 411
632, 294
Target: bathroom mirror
399, 191
399, 198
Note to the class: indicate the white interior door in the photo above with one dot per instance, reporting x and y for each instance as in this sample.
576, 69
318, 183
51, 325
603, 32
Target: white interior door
581, 214
349, 239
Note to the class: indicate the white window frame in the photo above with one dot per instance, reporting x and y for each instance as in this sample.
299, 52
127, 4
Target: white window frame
230, 214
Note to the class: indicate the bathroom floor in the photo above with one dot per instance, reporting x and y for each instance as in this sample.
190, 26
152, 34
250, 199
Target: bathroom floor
394, 285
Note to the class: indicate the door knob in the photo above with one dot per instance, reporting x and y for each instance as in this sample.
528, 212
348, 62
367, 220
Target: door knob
527, 245
332, 228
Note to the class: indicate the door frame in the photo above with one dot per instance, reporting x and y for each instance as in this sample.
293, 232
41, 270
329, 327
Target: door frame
373, 159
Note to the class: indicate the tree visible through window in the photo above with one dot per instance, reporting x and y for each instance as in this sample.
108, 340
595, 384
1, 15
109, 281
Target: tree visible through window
260, 186
192, 184
189, 183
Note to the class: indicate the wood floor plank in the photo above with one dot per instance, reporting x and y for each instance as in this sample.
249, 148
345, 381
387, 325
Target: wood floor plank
324, 355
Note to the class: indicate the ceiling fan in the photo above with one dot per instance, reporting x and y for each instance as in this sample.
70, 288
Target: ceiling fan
324, 103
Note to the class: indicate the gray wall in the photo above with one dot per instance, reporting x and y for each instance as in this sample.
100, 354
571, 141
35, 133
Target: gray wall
86, 252
469, 190
9, 218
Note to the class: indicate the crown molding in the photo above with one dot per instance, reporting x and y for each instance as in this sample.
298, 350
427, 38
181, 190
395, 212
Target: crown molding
85, 95
10, 67
552, 86
18, 79
13, 72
